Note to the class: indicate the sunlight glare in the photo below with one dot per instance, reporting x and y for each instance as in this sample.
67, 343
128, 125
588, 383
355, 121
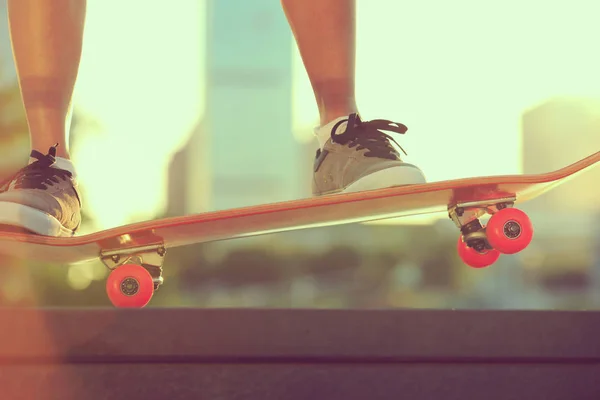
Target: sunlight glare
79, 276
140, 78
460, 83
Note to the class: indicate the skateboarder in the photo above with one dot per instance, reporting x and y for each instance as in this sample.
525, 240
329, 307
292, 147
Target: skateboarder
46, 37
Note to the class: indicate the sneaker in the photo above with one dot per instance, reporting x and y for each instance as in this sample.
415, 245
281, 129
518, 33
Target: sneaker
358, 156
41, 198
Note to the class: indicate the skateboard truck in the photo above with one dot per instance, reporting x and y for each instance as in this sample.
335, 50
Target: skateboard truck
508, 231
466, 217
136, 273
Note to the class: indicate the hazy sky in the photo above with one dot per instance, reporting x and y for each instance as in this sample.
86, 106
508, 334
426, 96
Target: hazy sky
459, 74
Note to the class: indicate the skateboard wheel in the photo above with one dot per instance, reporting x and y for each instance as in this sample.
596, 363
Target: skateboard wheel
130, 285
509, 231
473, 258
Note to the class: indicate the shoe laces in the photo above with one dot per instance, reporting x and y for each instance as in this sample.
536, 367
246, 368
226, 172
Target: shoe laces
39, 174
368, 135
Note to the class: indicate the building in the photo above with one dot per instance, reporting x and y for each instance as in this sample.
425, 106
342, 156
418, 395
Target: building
243, 152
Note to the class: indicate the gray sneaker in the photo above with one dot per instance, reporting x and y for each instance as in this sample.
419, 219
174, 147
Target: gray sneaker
41, 199
361, 157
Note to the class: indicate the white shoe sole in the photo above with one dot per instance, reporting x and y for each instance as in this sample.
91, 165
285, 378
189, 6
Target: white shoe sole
32, 219
395, 176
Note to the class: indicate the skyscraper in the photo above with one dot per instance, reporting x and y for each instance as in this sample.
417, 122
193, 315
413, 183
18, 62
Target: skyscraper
556, 134
244, 152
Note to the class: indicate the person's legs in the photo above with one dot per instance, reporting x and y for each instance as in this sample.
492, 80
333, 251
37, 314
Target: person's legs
353, 155
46, 37
325, 33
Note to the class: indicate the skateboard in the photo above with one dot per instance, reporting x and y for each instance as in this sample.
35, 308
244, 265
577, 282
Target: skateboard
135, 253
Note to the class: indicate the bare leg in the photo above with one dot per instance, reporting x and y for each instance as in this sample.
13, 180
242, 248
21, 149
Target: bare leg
325, 33
46, 37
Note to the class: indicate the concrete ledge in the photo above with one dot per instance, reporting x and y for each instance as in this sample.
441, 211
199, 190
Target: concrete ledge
298, 354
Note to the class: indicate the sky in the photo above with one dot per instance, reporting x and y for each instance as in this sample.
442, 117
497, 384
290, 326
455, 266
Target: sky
140, 80
458, 74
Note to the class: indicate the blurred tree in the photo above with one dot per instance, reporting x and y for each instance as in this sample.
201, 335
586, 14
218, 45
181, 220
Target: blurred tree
249, 266
339, 260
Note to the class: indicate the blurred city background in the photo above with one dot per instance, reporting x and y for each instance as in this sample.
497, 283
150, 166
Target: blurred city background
188, 106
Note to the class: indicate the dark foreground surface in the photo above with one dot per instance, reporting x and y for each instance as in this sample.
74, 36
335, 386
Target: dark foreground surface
298, 354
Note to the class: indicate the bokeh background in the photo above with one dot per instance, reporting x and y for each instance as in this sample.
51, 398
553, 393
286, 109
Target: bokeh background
187, 106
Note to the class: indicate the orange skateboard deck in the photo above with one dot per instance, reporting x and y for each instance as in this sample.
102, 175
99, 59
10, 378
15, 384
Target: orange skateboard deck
135, 252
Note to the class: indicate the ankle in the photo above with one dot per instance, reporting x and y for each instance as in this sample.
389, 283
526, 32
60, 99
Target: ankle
332, 115
61, 150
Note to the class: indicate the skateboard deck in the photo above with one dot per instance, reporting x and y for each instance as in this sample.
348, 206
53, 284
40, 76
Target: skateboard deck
465, 200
